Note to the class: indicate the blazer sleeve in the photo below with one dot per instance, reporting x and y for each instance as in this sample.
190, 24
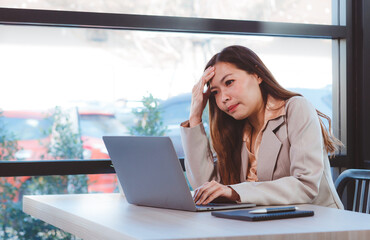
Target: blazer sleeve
306, 161
199, 164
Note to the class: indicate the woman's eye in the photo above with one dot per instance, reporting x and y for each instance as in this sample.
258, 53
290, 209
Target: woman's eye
214, 93
228, 82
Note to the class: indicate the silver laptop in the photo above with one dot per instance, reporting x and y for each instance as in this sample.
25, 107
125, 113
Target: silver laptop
151, 174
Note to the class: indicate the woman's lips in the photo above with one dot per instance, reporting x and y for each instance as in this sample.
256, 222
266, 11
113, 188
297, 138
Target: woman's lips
232, 108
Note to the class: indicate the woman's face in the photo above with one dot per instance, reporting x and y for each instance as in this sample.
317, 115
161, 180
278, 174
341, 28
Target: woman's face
236, 92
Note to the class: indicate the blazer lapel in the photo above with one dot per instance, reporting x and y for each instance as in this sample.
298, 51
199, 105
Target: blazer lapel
269, 150
244, 164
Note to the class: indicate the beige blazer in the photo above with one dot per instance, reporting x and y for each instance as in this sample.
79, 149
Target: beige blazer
292, 165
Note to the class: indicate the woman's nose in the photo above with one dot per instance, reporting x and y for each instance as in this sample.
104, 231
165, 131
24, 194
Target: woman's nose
225, 97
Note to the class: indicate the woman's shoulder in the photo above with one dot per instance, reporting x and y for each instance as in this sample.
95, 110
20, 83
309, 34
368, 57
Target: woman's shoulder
297, 101
299, 104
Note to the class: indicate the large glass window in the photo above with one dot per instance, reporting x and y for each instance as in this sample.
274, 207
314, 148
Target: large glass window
297, 11
98, 78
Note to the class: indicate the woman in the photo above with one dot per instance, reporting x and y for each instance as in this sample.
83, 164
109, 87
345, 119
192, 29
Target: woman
271, 146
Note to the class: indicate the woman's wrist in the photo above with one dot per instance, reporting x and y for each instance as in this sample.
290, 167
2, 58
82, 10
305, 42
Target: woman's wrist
194, 121
234, 195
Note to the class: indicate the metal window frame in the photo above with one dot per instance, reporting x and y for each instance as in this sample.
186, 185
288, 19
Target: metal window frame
168, 24
358, 95
51, 18
365, 54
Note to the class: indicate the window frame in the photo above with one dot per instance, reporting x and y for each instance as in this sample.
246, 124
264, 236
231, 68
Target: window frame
341, 32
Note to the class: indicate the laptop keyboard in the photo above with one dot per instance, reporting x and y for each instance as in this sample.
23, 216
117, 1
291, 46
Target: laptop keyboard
215, 205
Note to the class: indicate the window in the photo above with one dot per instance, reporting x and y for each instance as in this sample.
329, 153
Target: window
104, 74
98, 66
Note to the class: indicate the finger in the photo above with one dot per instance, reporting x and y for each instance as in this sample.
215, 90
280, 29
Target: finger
199, 86
208, 70
221, 191
198, 192
208, 76
206, 193
208, 92
213, 196
196, 196
205, 87
215, 190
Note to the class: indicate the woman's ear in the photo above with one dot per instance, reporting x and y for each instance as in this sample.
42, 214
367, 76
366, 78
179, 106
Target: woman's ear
259, 79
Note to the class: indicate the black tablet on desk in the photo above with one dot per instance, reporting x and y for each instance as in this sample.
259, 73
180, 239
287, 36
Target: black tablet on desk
247, 216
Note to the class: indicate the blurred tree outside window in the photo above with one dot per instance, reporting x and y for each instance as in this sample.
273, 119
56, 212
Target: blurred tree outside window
15, 224
149, 119
8, 189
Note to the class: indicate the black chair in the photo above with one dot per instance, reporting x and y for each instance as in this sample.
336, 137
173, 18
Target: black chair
359, 180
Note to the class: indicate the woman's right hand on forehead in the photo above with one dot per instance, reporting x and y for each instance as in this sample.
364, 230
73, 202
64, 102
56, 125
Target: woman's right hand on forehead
200, 97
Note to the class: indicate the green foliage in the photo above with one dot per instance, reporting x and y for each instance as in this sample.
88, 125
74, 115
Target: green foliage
8, 191
66, 144
149, 118
8, 142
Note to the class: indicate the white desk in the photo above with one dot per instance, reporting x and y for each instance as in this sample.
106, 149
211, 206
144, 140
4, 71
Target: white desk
109, 216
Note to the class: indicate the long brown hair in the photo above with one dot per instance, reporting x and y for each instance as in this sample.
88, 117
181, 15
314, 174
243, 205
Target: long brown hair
227, 132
